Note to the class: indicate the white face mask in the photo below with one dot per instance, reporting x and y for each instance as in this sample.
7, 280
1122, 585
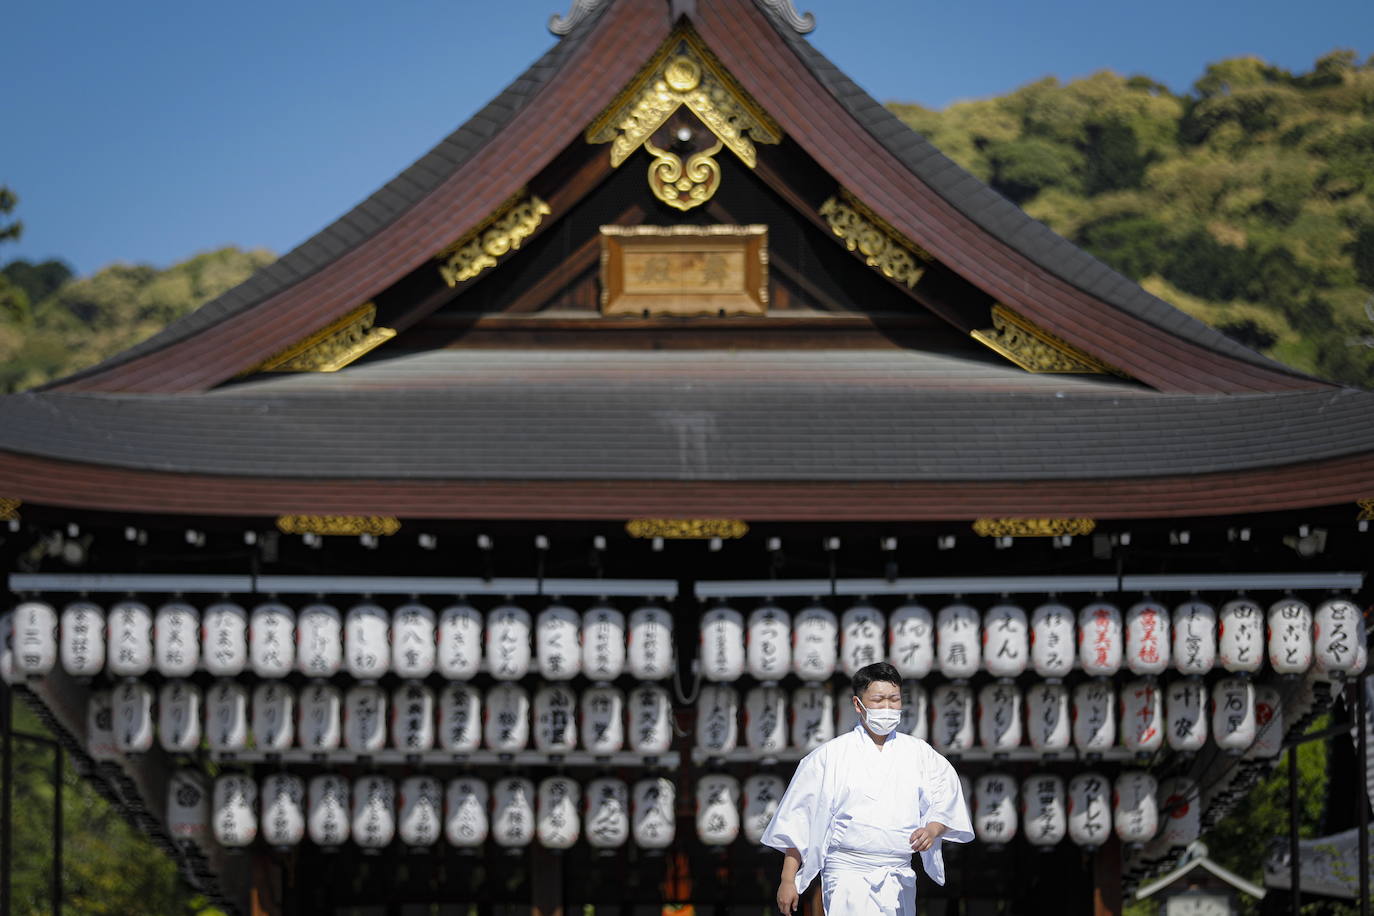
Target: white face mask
881, 721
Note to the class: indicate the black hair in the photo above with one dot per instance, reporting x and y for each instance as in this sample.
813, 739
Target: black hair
879, 671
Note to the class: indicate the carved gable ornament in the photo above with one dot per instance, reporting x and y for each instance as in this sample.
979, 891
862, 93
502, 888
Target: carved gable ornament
1035, 349
684, 74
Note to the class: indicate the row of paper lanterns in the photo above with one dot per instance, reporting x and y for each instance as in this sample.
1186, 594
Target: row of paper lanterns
602, 644
1145, 715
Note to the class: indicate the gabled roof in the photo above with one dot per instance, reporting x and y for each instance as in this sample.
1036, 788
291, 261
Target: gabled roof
1196, 859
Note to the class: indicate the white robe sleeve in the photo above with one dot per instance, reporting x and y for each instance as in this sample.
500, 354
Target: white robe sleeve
944, 804
803, 818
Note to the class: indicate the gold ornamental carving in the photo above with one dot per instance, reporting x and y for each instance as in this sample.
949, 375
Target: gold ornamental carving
333, 347
686, 528
1366, 509
9, 508
684, 74
338, 524
502, 232
881, 246
1036, 350
1032, 527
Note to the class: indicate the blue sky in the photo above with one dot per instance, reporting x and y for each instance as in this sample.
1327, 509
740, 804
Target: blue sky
153, 130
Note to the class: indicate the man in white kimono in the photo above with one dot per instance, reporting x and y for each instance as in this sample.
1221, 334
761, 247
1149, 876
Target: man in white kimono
861, 804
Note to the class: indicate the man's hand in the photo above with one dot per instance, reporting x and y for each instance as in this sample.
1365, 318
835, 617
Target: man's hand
787, 898
924, 837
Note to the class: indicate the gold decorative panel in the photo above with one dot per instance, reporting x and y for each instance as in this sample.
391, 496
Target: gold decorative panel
881, 246
686, 528
1366, 510
338, 524
684, 270
502, 232
333, 347
9, 508
1032, 527
1036, 350
684, 74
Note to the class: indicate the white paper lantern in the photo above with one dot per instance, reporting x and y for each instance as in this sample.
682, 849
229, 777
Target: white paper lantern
1006, 640
603, 644
650, 712
558, 643
603, 720
1240, 636
364, 722
1290, 636
508, 642
1100, 639
328, 820
717, 809
555, 719
33, 639
863, 638
512, 812
1052, 640
653, 820
558, 826
958, 642
374, 811
178, 717
762, 792
460, 718
1048, 720
1044, 810
188, 808
1195, 637
272, 640
1142, 715
1233, 714
507, 725
413, 641
224, 640
765, 720
607, 813
133, 717
999, 718
994, 808
915, 710
722, 644
1147, 638
1185, 713
465, 812
813, 717
1090, 809
7, 672
1269, 729
1340, 635
82, 636
952, 718
911, 640
1180, 813
319, 717
176, 639
412, 718
846, 716
367, 648
100, 739
1135, 809
1094, 717
274, 717
460, 642
130, 649
235, 811
319, 640
815, 643
650, 650
283, 810
717, 719
421, 811
769, 644
226, 716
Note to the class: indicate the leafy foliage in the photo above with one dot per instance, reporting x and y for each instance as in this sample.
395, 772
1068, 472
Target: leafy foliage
1248, 202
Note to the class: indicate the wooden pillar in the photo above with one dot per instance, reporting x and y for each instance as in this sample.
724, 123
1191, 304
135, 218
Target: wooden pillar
1107, 879
813, 902
546, 882
265, 896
